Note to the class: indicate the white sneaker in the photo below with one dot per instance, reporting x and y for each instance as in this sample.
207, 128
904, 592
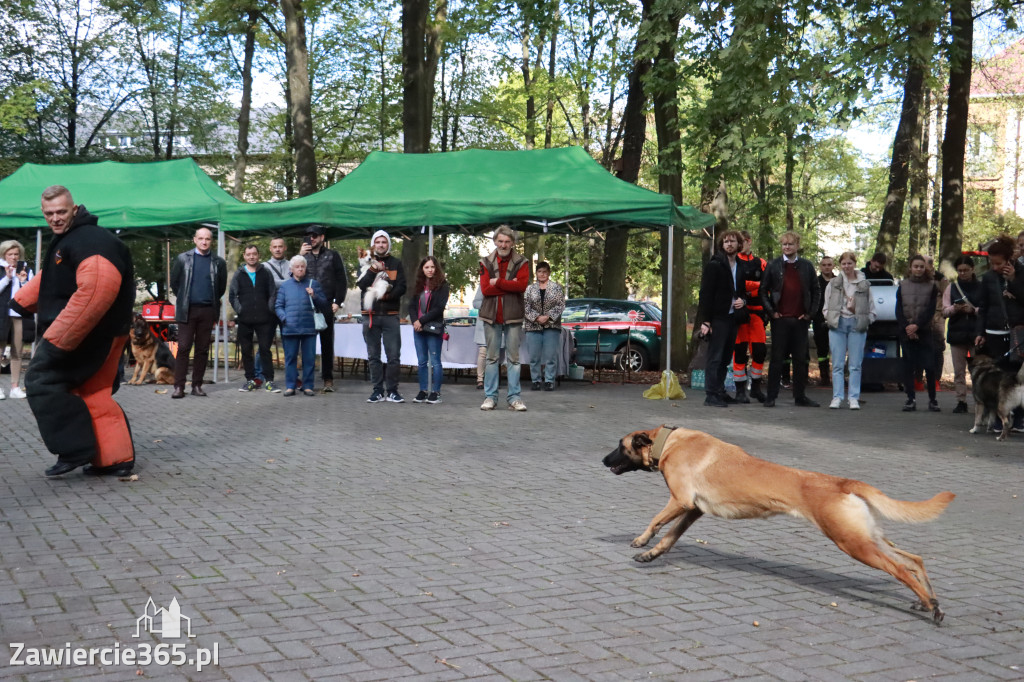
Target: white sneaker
17, 393
854, 404
488, 404
835, 404
2, 396
517, 405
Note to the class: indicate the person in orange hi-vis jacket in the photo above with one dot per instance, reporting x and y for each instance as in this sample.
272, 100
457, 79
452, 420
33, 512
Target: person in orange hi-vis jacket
750, 334
83, 295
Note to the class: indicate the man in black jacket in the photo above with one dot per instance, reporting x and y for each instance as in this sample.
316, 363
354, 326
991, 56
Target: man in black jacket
790, 295
721, 299
326, 267
198, 280
380, 321
252, 295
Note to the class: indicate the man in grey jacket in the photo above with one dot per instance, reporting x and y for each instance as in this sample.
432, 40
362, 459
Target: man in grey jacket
199, 279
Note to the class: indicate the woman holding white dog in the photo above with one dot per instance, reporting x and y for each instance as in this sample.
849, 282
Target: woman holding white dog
426, 310
848, 310
297, 299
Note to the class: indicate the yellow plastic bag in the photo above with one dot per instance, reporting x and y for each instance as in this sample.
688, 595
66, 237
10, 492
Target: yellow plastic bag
668, 386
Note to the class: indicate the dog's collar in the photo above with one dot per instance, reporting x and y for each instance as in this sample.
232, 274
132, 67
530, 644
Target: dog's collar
659, 444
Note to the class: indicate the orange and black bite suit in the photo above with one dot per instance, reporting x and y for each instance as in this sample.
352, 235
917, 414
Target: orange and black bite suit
84, 296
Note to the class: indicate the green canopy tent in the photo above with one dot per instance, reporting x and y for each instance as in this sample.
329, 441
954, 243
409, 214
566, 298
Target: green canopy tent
160, 198
557, 190
157, 199
561, 190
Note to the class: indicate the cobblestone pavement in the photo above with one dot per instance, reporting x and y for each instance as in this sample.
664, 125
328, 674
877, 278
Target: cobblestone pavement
327, 538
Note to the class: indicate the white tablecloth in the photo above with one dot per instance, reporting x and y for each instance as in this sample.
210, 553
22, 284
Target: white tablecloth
458, 352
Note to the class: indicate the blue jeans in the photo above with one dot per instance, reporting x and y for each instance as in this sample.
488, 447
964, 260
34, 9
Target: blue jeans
543, 347
305, 343
513, 334
428, 352
842, 341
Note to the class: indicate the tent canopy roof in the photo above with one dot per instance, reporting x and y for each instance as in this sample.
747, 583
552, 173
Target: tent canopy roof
560, 190
163, 196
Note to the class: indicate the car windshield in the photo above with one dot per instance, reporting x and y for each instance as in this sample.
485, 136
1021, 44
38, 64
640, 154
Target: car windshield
653, 311
611, 311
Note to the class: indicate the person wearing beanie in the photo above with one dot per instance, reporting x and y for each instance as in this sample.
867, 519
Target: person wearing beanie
380, 321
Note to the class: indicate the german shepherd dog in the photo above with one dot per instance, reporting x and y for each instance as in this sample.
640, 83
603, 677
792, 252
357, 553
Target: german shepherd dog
997, 391
707, 475
151, 355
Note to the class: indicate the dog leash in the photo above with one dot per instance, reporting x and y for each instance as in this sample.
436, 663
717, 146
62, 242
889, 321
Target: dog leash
659, 444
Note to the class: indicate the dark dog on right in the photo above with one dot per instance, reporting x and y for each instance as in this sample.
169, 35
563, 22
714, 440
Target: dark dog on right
997, 391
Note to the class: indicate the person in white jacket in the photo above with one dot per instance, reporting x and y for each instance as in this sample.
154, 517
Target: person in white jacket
16, 273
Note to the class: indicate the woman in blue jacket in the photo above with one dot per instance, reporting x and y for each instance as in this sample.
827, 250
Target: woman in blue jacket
297, 299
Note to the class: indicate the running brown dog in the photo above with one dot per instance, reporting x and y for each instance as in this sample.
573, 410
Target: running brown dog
707, 475
145, 347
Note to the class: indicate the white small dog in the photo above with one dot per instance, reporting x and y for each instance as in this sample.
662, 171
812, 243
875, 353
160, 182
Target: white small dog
364, 262
375, 291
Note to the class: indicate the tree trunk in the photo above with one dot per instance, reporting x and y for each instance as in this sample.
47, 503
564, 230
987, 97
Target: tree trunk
917, 199
244, 110
906, 133
172, 119
552, 50
528, 83
421, 51
954, 141
613, 283
300, 109
936, 181
670, 164
790, 167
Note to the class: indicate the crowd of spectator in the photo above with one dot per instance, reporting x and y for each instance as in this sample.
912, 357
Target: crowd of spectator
740, 293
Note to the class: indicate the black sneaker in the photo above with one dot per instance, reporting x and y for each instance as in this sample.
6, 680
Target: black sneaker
535, 386
376, 397
961, 407
434, 398
933, 406
910, 405
395, 397
548, 386
420, 397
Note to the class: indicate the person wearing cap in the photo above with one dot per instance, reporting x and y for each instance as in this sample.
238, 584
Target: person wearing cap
326, 267
380, 322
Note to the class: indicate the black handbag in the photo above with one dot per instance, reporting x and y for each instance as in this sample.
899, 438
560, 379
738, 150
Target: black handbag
435, 328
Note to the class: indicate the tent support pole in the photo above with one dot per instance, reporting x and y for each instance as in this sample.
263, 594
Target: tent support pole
566, 266
668, 309
430, 246
222, 328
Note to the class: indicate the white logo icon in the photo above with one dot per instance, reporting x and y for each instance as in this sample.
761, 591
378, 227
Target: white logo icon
164, 622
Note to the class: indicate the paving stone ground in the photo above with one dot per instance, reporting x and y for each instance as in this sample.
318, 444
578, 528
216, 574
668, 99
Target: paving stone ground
331, 539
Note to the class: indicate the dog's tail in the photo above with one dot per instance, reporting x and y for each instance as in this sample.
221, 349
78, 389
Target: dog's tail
901, 510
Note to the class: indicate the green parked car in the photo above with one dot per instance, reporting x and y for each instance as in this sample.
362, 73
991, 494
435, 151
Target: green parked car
615, 322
